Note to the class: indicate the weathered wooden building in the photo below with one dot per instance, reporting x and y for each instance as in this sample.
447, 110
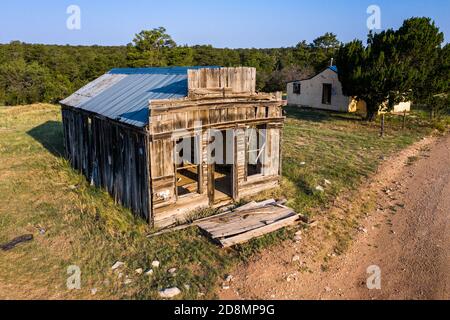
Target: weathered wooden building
130, 132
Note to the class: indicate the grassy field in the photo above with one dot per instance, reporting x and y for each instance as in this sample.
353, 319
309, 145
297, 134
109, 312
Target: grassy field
75, 224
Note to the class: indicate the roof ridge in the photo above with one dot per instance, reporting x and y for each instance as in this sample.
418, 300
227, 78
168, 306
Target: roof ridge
158, 70
332, 68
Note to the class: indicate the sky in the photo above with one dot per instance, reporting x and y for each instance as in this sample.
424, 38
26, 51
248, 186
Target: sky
221, 23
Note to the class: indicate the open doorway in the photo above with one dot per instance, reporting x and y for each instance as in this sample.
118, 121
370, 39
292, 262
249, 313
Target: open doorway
223, 166
187, 166
223, 181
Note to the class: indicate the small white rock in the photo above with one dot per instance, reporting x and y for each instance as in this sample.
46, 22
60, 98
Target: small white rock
155, 264
363, 230
139, 271
149, 272
225, 287
320, 189
94, 291
187, 287
172, 270
229, 278
117, 265
128, 281
169, 293
328, 289
327, 182
296, 259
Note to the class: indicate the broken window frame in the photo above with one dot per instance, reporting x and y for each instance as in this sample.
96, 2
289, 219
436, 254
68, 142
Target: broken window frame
186, 165
260, 151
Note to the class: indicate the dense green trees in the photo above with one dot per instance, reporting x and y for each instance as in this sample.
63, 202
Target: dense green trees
395, 66
47, 73
408, 63
150, 48
438, 85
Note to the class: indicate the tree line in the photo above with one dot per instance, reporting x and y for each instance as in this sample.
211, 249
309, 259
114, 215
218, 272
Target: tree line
411, 63
31, 73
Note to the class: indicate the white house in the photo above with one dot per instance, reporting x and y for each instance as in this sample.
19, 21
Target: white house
324, 91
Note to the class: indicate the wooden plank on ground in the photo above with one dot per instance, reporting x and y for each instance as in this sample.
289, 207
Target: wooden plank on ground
248, 223
240, 216
229, 232
229, 242
245, 223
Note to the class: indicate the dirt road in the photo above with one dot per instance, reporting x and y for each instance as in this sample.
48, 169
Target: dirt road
406, 233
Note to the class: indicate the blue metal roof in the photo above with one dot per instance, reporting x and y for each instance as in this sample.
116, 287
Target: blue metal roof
124, 94
334, 68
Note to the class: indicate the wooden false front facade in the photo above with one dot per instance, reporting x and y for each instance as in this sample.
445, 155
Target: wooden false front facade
140, 167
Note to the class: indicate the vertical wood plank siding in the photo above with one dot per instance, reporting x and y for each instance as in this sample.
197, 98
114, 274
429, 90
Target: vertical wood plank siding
137, 166
111, 156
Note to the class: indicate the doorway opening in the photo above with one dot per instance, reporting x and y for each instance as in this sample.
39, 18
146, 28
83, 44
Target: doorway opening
223, 181
187, 166
224, 165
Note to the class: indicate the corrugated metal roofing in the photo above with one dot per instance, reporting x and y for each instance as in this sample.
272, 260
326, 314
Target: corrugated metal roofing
124, 94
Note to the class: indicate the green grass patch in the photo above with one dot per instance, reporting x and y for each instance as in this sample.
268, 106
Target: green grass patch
321, 146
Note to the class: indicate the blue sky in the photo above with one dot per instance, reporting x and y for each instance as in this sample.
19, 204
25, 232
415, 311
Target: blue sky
231, 23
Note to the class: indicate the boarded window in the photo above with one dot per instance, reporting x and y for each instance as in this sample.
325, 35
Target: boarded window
326, 93
162, 159
297, 88
187, 162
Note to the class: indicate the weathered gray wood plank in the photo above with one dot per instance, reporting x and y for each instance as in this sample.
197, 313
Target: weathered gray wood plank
246, 223
245, 237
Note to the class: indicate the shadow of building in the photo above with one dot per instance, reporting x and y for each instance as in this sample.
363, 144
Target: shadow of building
50, 136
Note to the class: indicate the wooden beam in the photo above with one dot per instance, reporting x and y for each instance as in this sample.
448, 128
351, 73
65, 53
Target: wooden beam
149, 183
218, 126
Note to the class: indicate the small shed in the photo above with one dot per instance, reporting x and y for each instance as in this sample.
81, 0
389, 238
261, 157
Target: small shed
324, 91
167, 141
